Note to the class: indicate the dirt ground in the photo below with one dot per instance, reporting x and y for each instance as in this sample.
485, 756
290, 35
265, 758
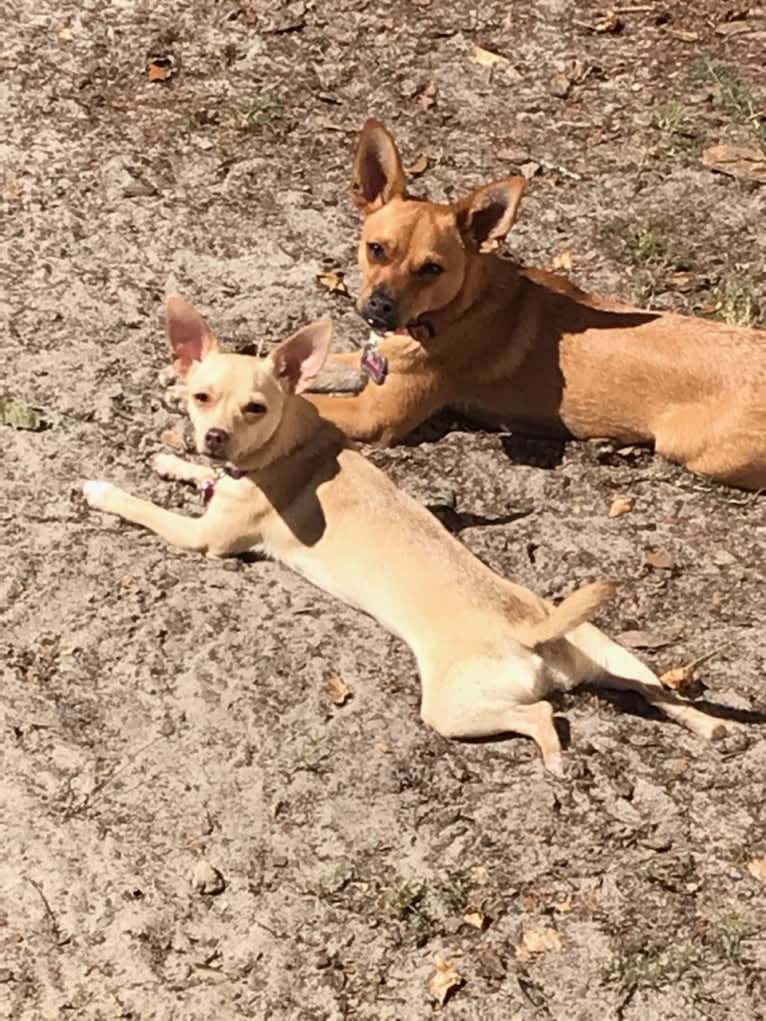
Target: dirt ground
166, 729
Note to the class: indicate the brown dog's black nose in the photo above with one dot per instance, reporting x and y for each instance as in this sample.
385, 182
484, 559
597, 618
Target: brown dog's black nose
381, 310
215, 441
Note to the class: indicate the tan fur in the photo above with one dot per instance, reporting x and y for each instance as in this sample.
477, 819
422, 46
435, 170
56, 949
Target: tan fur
488, 650
527, 349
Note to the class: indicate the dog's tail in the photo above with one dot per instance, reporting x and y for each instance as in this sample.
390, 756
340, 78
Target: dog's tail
575, 609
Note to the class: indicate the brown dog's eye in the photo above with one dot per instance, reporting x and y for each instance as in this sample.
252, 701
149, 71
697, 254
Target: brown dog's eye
201, 398
255, 408
430, 269
375, 250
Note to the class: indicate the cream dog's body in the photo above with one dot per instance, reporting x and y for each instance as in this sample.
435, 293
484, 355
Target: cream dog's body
488, 650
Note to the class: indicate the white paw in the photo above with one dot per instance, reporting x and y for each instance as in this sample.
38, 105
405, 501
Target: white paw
97, 492
166, 465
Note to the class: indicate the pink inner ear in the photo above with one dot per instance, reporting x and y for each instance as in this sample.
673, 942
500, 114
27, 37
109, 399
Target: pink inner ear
301, 358
189, 335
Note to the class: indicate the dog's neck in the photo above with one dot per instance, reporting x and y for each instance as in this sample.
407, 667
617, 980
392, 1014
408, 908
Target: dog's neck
300, 425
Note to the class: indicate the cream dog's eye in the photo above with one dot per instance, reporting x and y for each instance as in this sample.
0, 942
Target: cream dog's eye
255, 408
202, 398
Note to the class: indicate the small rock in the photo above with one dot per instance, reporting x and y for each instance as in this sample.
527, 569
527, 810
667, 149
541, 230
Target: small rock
560, 86
530, 169
207, 880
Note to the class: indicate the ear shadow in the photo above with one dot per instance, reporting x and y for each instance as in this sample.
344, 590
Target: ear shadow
456, 521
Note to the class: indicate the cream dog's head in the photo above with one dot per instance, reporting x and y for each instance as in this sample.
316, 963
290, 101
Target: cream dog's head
236, 402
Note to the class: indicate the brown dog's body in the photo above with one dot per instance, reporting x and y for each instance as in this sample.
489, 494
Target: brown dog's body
527, 349
488, 650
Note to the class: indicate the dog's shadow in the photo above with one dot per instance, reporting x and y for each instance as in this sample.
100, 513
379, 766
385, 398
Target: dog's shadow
520, 448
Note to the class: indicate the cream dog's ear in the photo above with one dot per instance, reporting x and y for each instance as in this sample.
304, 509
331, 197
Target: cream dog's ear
298, 359
189, 335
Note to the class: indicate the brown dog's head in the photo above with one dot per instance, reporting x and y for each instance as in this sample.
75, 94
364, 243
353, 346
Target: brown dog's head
237, 402
414, 254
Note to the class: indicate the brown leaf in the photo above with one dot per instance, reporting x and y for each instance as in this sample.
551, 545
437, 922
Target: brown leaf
332, 280
659, 561
444, 980
173, 438
678, 677
757, 869
537, 941
619, 506
476, 919
427, 97
645, 639
486, 58
11, 191
160, 69
337, 689
736, 161
563, 260
420, 165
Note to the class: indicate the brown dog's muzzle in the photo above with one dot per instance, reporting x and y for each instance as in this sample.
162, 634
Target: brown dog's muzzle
381, 310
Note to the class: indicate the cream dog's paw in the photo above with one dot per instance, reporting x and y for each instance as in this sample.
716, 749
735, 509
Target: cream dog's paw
98, 494
167, 465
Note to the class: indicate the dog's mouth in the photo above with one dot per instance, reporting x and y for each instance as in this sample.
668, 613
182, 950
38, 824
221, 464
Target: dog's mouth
421, 330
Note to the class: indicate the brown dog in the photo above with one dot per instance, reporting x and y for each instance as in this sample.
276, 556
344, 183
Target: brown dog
527, 349
488, 651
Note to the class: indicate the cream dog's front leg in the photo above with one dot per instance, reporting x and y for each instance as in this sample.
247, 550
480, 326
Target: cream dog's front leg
177, 529
175, 468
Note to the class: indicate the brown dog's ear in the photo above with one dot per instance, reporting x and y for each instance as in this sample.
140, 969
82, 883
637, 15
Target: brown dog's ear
298, 359
378, 175
488, 213
189, 335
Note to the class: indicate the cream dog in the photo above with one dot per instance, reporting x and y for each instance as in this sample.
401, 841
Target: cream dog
488, 650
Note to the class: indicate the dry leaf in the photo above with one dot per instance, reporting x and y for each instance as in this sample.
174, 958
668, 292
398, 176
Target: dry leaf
19, 415
11, 191
487, 58
530, 169
679, 676
338, 690
172, 438
427, 97
444, 980
419, 166
660, 561
563, 261
620, 505
645, 639
160, 69
611, 23
736, 161
537, 941
476, 919
332, 280
757, 869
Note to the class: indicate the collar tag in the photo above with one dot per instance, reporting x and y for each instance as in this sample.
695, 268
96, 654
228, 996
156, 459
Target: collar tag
375, 365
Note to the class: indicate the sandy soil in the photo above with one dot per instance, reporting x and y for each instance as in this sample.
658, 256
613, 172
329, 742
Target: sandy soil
166, 731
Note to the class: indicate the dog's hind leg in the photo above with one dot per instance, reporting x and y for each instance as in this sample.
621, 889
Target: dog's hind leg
606, 664
478, 698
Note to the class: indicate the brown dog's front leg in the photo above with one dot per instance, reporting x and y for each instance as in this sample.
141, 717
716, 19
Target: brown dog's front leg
177, 529
341, 374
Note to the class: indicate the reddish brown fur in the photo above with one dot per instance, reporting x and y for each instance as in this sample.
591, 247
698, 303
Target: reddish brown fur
527, 349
